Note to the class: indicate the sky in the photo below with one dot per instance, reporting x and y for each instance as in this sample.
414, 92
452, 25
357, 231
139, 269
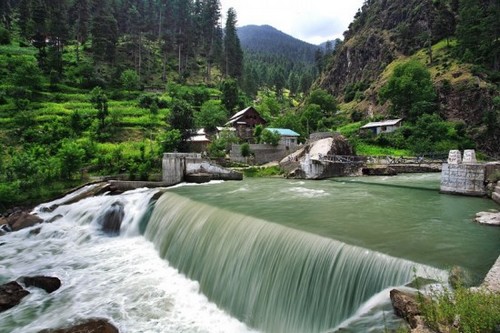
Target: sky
313, 21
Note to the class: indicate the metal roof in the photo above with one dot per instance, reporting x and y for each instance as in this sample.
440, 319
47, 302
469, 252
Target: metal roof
284, 131
390, 122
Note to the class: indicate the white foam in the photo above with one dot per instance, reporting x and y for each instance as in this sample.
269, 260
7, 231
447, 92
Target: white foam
119, 278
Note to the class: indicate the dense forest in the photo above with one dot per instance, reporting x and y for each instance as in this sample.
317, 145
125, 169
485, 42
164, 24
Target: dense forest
93, 88
275, 59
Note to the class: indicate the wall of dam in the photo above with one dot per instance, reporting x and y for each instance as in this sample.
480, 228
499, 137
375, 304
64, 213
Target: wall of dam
465, 175
179, 167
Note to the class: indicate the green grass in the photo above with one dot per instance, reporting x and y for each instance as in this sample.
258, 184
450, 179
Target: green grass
262, 172
471, 311
371, 150
349, 129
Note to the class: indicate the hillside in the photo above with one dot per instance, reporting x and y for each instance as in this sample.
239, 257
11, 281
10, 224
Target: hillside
275, 59
384, 34
267, 40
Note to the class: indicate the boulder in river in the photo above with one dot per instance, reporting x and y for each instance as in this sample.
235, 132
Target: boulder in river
21, 220
97, 325
316, 159
405, 305
47, 283
11, 294
111, 220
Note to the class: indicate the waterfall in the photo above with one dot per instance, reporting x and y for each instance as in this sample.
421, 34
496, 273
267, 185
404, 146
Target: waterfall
273, 278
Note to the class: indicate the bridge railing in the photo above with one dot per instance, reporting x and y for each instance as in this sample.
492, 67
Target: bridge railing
427, 158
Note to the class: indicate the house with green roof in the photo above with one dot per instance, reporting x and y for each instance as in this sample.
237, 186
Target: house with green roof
288, 137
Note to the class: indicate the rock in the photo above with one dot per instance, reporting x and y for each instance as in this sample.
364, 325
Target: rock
96, 325
489, 218
47, 283
405, 305
54, 218
111, 220
21, 220
458, 277
11, 294
313, 160
420, 282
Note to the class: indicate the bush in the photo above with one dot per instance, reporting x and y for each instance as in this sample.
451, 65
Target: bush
467, 310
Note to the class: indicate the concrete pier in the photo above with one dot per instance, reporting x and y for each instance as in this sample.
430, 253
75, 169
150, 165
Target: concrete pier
466, 176
179, 167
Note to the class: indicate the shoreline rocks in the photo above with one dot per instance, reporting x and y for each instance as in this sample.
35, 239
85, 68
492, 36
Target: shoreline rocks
488, 218
11, 294
47, 283
93, 325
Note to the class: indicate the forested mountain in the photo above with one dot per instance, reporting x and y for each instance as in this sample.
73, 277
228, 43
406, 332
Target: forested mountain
457, 43
275, 59
156, 39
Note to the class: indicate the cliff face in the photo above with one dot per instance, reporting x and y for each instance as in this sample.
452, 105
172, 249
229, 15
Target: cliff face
386, 32
383, 31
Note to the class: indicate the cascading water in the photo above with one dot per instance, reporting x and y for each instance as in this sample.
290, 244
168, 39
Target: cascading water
266, 254
272, 277
120, 278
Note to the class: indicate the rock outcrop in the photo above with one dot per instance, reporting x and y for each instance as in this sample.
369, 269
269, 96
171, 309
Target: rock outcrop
489, 218
11, 295
47, 283
18, 220
111, 220
97, 325
313, 161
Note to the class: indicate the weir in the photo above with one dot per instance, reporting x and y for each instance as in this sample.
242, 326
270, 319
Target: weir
273, 278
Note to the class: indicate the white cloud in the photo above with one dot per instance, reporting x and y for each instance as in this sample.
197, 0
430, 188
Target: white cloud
313, 21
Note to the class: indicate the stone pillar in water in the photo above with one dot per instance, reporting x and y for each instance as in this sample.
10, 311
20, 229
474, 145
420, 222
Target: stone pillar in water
454, 157
465, 178
469, 156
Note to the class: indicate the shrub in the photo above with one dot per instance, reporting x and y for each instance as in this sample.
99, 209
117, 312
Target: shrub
467, 310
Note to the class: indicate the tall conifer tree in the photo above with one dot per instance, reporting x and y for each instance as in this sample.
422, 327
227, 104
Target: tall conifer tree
233, 54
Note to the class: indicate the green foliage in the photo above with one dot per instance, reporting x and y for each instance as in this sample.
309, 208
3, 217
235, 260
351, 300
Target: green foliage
100, 102
270, 137
326, 101
262, 172
245, 150
129, 79
466, 310
170, 140
181, 117
71, 157
221, 145
4, 36
211, 115
355, 91
230, 95
233, 54
410, 90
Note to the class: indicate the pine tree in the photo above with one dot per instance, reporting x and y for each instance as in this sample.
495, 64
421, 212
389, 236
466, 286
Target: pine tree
233, 54
209, 17
104, 33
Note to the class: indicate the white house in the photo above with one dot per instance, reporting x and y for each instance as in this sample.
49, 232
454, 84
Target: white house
385, 126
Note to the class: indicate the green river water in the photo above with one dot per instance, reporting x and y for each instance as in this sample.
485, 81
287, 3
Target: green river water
404, 216
314, 256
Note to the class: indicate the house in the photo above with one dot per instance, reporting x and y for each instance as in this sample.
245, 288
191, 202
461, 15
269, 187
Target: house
198, 142
386, 126
288, 137
245, 121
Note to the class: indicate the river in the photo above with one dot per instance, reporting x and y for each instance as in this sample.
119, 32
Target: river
261, 255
